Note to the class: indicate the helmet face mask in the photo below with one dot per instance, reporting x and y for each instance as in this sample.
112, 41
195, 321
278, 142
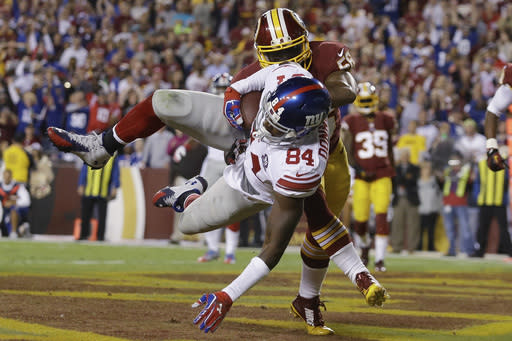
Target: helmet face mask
367, 100
296, 108
282, 36
289, 53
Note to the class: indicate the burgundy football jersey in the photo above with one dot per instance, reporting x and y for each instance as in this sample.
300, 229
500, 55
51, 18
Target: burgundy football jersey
328, 57
370, 141
507, 75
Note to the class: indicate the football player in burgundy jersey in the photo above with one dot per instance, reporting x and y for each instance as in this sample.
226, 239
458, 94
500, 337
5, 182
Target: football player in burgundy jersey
367, 135
282, 36
498, 105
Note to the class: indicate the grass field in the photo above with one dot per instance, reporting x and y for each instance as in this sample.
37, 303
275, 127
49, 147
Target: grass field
84, 291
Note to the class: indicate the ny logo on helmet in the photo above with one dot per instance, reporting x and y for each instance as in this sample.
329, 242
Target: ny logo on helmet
314, 120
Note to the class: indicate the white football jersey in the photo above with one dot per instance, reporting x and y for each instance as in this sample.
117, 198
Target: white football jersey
293, 170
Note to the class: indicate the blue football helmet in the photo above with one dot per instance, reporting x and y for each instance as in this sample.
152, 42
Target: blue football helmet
220, 83
296, 107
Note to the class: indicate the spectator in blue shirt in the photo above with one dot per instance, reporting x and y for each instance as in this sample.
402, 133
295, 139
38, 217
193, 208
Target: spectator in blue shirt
77, 113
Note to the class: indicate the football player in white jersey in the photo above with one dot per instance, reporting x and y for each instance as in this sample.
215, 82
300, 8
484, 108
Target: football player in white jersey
280, 36
282, 166
197, 114
499, 104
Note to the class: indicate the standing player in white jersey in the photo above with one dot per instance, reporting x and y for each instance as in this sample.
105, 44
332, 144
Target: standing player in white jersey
282, 166
498, 105
213, 167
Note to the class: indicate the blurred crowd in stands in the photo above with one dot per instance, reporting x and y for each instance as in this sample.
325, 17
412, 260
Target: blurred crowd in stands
82, 65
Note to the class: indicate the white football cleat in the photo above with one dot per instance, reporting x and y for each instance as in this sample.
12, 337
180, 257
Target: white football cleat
87, 147
175, 196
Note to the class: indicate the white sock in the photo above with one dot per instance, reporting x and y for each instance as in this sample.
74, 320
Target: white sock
311, 281
253, 272
381, 244
231, 241
349, 262
213, 239
362, 241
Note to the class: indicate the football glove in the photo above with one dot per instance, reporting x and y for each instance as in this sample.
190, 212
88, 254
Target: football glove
232, 108
237, 148
216, 307
494, 160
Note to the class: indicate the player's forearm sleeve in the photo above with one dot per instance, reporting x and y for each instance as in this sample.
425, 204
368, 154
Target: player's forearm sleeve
254, 82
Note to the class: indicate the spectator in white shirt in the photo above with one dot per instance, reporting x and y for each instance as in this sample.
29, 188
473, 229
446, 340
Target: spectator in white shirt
426, 128
77, 51
471, 144
197, 80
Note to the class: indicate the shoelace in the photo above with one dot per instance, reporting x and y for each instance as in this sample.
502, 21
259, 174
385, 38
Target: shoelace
168, 200
87, 141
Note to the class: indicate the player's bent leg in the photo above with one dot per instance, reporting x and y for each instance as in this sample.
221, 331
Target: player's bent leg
361, 198
232, 234
219, 206
361, 208
141, 121
95, 150
337, 179
333, 238
212, 239
197, 114
382, 188
307, 304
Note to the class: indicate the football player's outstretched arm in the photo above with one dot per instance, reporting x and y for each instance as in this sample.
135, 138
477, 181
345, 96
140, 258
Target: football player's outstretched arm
490, 125
285, 215
498, 105
281, 223
342, 87
346, 136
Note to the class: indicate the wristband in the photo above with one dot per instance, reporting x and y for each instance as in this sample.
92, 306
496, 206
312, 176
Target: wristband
491, 143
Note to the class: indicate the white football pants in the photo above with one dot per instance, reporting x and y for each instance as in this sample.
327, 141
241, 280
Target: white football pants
197, 114
219, 206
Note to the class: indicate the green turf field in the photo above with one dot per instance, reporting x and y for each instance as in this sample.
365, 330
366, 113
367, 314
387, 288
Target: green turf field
69, 258
474, 294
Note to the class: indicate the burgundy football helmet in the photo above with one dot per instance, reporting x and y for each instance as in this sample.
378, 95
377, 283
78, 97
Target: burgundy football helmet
282, 36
